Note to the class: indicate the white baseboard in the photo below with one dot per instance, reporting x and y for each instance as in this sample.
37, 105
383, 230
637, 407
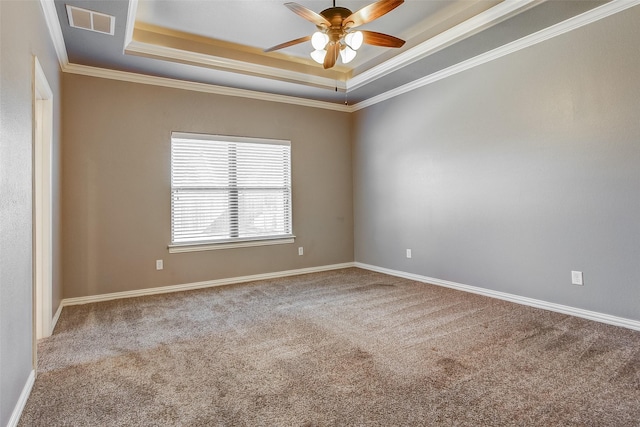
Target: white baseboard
565, 309
200, 285
573, 311
56, 316
22, 400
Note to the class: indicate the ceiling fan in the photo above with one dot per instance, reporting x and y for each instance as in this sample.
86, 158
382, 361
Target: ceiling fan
335, 36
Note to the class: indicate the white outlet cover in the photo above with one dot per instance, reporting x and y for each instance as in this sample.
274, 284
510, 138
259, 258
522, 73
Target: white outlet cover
300, 250
576, 278
159, 264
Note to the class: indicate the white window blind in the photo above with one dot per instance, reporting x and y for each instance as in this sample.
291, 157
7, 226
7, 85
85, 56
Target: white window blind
229, 189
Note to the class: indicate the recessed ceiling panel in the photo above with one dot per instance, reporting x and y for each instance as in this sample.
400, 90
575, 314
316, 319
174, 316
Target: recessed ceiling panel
263, 24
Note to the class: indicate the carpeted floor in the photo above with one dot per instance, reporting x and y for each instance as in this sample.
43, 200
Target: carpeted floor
341, 348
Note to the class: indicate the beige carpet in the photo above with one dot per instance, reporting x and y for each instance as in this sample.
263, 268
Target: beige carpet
347, 347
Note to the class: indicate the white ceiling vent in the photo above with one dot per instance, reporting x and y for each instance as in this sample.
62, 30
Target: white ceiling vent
90, 20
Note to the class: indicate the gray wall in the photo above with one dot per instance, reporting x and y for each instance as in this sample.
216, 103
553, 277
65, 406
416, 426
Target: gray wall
512, 174
23, 33
116, 194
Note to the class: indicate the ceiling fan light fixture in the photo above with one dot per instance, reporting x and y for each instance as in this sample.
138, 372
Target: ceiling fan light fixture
319, 40
347, 54
335, 36
354, 40
318, 55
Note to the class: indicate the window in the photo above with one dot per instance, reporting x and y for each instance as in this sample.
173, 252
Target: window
229, 190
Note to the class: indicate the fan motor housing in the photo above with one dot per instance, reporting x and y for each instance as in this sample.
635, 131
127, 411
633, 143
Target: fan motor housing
336, 15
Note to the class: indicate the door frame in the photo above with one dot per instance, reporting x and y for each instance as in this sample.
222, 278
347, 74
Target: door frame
42, 204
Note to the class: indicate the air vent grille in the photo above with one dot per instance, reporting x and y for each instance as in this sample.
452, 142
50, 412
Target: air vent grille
90, 20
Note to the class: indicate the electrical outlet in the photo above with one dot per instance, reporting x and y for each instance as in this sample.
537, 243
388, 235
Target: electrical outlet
300, 250
408, 253
576, 278
159, 264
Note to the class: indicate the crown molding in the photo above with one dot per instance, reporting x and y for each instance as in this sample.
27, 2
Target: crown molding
55, 31
146, 49
51, 18
131, 22
200, 87
441, 41
591, 16
608, 9
227, 64
429, 47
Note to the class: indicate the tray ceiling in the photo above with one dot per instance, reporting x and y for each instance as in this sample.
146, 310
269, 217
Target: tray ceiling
220, 43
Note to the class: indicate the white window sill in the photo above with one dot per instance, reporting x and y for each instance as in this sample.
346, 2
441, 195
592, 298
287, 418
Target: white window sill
209, 246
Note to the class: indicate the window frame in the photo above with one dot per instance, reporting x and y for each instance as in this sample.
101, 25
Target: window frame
233, 242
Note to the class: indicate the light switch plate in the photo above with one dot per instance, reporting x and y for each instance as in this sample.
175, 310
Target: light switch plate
576, 278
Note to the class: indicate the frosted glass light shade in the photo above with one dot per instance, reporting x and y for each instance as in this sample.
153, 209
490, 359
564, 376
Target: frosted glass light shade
347, 54
318, 55
354, 40
319, 40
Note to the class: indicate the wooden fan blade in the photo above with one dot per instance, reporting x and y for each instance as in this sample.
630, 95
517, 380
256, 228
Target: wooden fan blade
333, 50
371, 12
289, 43
379, 39
308, 14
